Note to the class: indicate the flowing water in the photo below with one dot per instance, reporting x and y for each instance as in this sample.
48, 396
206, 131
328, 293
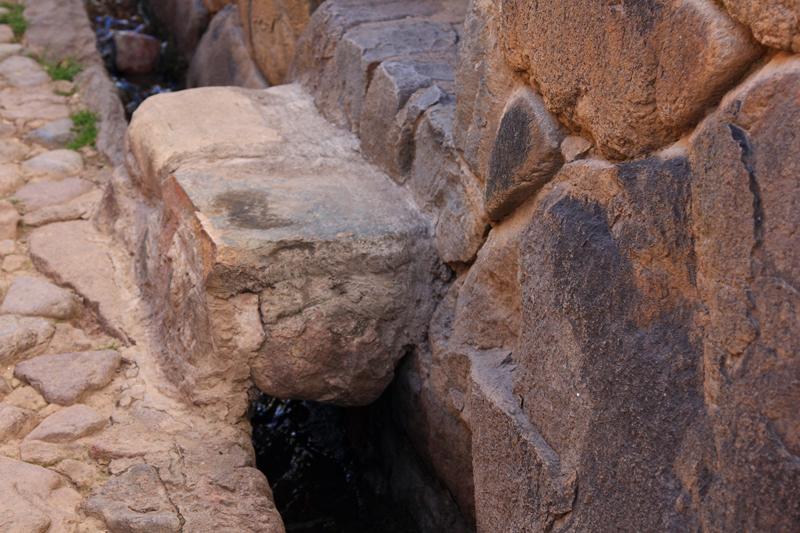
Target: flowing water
133, 15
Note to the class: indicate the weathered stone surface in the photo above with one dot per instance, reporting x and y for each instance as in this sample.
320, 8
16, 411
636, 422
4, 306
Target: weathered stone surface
484, 81
35, 499
64, 378
37, 103
633, 76
775, 23
136, 53
350, 277
54, 164
43, 193
21, 71
27, 398
222, 57
14, 421
68, 424
135, 502
397, 97
525, 153
445, 189
346, 41
76, 255
54, 134
272, 28
520, 483
658, 319
21, 334
744, 191
37, 297
81, 207
9, 218
5, 388
184, 20
574, 147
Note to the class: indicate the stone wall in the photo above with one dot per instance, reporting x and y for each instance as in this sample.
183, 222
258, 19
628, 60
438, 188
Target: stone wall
614, 190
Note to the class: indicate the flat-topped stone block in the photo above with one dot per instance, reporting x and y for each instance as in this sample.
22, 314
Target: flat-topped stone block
278, 251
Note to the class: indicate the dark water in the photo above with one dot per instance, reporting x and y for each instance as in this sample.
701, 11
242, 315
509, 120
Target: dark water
109, 15
324, 468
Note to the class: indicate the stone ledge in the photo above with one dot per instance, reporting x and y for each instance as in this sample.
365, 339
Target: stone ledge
285, 256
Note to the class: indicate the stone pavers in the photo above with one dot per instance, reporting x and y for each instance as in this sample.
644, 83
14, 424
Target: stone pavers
90, 439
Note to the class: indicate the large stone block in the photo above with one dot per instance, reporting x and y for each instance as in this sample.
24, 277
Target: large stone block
222, 57
775, 23
520, 482
290, 236
347, 40
635, 75
272, 28
744, 218
659, 324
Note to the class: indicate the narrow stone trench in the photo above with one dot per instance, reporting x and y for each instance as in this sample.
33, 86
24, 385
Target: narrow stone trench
402, 266
324, 462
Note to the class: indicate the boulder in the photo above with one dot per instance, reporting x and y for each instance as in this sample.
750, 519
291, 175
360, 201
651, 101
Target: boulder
136, 53
8, 50
775, 23
64, 378
222, 57
657, 323
271, 29
635, 77
339, 257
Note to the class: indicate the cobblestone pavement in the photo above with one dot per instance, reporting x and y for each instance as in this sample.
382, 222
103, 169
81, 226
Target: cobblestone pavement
91, 438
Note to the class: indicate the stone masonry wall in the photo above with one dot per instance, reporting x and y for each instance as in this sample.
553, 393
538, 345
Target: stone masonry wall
614, 187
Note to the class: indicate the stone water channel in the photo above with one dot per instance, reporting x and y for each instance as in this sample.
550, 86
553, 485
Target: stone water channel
323, 462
